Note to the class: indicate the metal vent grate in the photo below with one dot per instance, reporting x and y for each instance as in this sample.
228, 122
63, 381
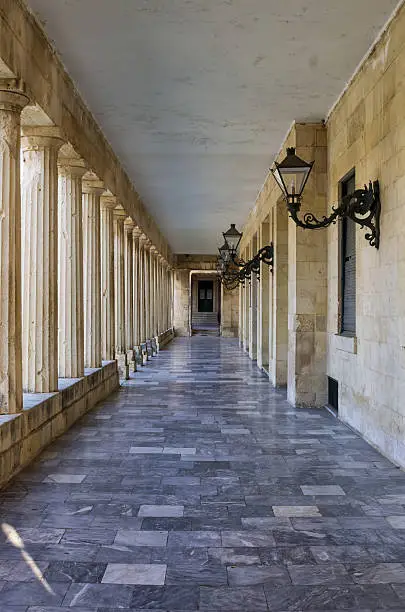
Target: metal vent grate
333, 394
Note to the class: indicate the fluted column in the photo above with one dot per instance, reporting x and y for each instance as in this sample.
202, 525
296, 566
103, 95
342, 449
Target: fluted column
161, 294
142, 297
92, 190
39, 225
70, 268
129, 292
108, 203
152, 291
12, 101
166, 296
148, 295
136, 232
119, 290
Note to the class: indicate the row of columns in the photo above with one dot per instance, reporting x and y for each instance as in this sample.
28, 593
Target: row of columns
93, 286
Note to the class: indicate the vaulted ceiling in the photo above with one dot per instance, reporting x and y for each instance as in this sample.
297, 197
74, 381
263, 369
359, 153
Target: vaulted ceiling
195, 96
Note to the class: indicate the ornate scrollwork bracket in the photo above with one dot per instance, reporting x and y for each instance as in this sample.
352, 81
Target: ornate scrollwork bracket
363, 206
238, 271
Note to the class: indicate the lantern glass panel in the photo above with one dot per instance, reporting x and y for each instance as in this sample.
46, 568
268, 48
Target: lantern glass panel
232, 238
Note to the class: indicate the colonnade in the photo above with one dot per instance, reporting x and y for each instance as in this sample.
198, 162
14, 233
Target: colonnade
80, 281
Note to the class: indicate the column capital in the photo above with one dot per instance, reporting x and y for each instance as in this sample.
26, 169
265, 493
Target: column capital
153, 249
108, 202
12, 95
92, 184
72, 166
146, 243
128, 226
36, 138
120, 214
136, 232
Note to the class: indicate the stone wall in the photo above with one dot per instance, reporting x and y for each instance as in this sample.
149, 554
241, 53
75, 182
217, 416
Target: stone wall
366, 131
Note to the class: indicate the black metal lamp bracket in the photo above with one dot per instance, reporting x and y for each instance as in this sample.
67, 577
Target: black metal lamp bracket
363, 206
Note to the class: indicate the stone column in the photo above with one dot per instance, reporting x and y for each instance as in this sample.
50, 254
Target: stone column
12, 101
108, 203
161, 294
246, 302
92, 190
119, 292
263, 314
142, 296
152, 290
308, 280
39, 198
279, 306
241, 306
148, 297
129, 299
70, 268
136, 294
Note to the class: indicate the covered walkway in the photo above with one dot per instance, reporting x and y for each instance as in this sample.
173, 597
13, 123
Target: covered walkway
196, 486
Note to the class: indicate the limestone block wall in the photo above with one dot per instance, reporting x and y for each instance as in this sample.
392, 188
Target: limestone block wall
366, 131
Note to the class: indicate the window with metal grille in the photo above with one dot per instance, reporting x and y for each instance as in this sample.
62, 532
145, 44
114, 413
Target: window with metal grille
348, 265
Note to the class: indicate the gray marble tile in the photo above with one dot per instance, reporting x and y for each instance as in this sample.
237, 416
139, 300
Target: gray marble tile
247, 539
248, 576
235, 556
148, 510
240, 599
71, 571
139, 573
377, 573
191, 539
290, 511
98, 595
322, 490
31, 593
332, 573
146, 450
171, 598
141, 538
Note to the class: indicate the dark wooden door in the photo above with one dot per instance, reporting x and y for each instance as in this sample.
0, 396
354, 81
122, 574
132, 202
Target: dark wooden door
205, 296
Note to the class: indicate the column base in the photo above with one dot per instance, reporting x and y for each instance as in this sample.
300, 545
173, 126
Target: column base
123, 367
157, 344
154, 347
138, 355
131, 360
149, 350
144, 353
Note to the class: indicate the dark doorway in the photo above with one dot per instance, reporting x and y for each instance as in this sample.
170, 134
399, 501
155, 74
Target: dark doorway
205, 296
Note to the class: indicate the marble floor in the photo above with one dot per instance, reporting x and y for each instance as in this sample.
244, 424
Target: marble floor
197, 487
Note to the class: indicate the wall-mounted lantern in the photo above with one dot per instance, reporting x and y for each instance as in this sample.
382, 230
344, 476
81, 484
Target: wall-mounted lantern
234, 271
363, 206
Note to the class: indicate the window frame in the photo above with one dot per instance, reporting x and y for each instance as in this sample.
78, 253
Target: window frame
351, 175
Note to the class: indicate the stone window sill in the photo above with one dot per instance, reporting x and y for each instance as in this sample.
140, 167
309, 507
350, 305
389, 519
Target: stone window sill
347, 344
